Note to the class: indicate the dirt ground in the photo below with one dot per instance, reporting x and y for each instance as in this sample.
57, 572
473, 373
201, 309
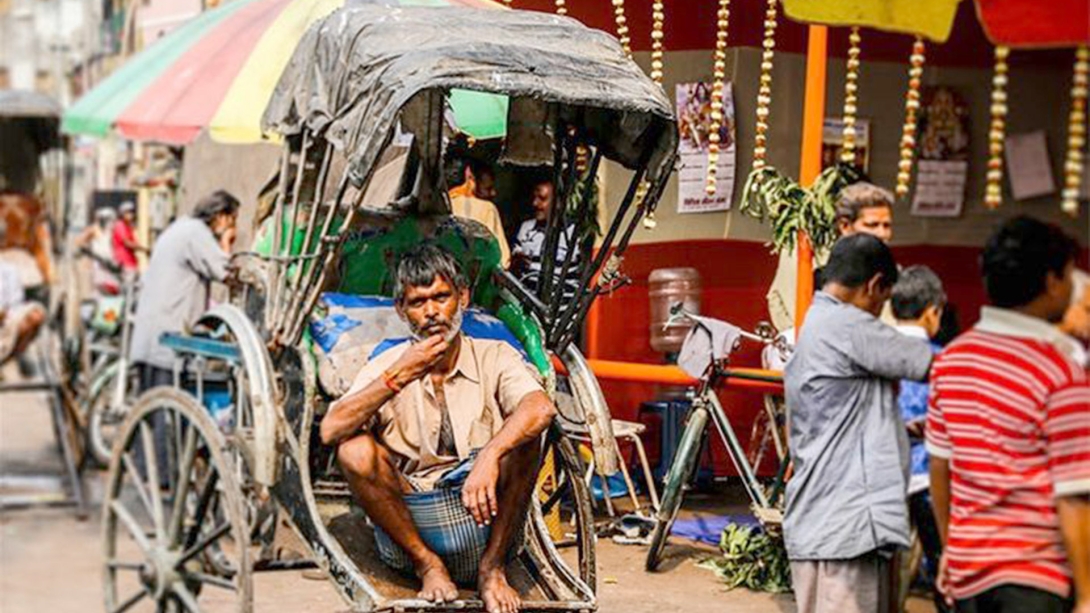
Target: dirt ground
51, 562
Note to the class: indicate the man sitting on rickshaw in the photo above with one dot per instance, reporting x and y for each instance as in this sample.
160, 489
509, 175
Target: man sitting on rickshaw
20, 319
441, 432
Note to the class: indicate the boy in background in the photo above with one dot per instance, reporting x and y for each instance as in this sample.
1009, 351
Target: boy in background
918, 301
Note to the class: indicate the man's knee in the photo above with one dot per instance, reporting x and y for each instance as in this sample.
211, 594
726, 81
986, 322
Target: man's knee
360, 456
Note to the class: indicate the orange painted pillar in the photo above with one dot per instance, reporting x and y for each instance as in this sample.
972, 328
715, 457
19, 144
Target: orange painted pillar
813, 120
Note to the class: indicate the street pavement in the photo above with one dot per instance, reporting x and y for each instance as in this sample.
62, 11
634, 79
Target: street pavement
50, 562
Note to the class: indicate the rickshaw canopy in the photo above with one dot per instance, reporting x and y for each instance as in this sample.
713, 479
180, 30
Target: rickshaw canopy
38, 117
356, 70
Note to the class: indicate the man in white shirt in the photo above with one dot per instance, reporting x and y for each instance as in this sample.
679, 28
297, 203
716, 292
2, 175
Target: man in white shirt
529, 249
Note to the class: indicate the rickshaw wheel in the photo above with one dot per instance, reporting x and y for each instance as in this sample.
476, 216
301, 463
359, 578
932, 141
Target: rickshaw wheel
173, 520
571, 497
260, 510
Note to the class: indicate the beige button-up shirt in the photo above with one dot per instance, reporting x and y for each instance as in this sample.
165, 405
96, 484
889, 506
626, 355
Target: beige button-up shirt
484, 212
489, 380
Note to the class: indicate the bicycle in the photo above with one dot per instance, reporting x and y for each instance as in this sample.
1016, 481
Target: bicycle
112, 382
766, 502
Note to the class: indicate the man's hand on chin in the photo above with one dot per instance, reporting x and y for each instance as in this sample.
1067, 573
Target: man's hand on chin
479, 491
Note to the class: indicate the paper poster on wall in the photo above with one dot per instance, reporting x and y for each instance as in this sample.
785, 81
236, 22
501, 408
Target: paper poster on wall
943, 147
694, 108
832, 142
940, 188
1028, 165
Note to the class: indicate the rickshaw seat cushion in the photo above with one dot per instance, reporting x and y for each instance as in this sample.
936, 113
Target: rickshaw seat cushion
368, 258
356, 329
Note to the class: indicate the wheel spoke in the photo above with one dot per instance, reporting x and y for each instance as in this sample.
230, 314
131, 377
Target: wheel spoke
182, 489
214, 580
132, 600
121, 565
189, 601
152, 462
138, 482
205, 541
203, 503
131, 525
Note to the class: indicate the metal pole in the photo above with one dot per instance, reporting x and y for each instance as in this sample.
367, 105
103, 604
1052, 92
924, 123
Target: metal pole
813, 119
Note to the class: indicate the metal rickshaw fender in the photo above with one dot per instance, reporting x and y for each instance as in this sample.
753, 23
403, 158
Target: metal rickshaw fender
261, 388
588, 395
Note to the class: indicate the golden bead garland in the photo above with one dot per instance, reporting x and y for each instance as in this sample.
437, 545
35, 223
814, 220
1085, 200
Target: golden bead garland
658, 18
993, 187
561, 7
912, 108
851, 97
1076, 132
622, 26
764, 92
720, 76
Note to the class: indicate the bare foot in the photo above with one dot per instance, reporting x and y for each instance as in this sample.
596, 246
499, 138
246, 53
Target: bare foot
436, 584
497, 594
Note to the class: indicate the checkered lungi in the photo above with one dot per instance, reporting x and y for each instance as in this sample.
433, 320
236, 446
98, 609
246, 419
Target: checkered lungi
447, 527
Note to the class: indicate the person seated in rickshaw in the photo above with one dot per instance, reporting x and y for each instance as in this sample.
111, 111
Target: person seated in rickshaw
475, 199
20, 319
529, 252
26, 244
441, 433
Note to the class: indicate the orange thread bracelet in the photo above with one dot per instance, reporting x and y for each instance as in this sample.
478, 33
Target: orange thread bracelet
388, 379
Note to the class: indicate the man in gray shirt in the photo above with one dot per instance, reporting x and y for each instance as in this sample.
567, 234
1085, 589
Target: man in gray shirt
846, 502
190, 254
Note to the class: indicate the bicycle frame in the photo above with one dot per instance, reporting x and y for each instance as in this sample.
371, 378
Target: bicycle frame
709, 401
706, 399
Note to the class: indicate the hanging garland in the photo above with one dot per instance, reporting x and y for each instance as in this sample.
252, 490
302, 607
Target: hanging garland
720, 75
561, 7
775, 198
658, 17
1076, 132
764, 92
912, 107
993, 189
851, 98
622, 26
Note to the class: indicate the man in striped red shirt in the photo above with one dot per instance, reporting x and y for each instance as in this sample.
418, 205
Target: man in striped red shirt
1009, 434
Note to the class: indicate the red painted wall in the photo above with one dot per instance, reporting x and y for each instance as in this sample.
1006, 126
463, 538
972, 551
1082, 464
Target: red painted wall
735, 277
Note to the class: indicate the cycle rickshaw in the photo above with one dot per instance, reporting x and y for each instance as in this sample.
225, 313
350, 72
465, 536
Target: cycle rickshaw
193, 502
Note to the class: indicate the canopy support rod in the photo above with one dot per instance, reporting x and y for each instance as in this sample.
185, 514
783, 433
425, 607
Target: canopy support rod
284, 245
304, 264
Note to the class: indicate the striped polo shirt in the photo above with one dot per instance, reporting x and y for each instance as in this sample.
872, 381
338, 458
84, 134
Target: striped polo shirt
1010, 410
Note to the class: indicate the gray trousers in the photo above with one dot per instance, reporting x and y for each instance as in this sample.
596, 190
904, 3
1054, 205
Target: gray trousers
859, 585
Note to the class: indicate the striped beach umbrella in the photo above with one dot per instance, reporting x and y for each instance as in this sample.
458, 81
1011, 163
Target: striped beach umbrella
217, 72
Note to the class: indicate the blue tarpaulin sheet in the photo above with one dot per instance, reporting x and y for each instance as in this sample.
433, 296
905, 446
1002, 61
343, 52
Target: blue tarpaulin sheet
707, 529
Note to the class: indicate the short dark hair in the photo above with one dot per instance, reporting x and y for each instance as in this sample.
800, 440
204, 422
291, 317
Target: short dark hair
219, 202
857, 258
479, 167
918, 288
1018, 257
858, 196
419, 266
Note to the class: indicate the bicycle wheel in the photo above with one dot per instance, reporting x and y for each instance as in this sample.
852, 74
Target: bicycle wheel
104, 415
681, 471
